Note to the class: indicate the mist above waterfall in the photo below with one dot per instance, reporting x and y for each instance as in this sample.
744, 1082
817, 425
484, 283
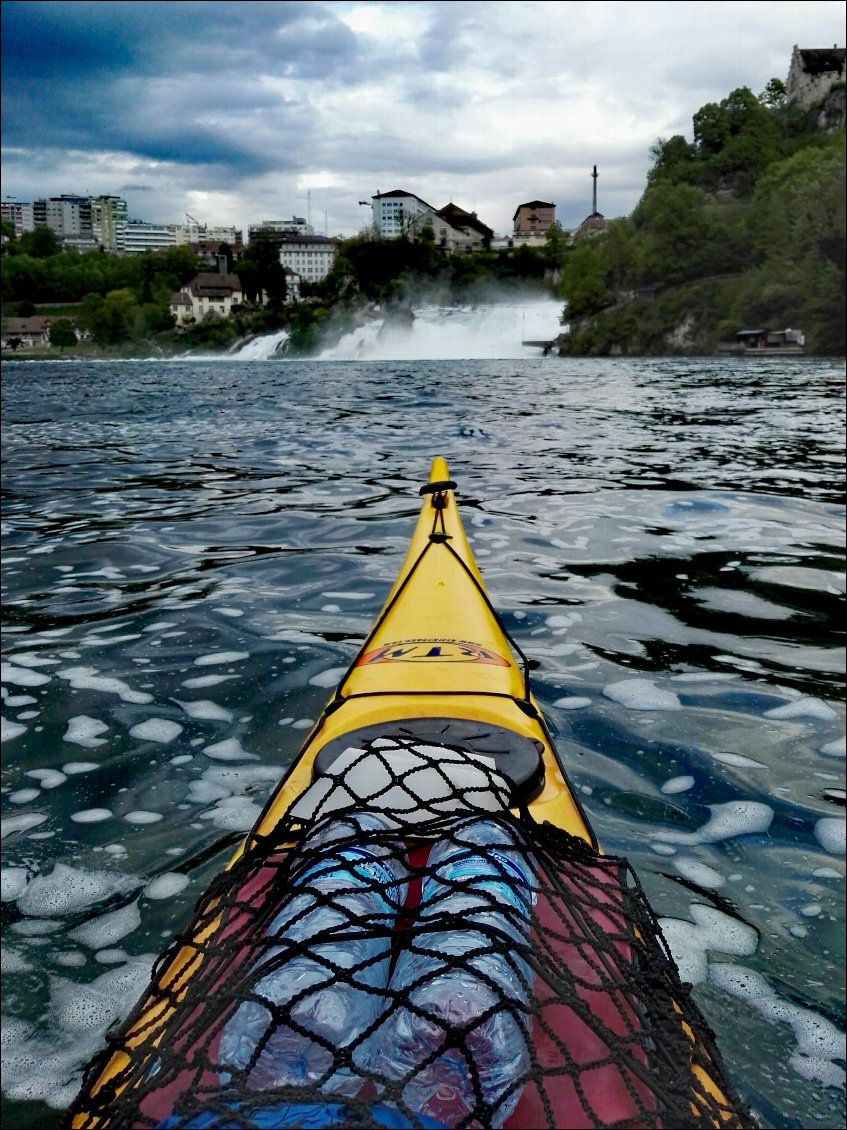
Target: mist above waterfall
479, 330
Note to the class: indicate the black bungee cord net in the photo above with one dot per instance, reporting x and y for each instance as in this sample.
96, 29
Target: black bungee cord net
608, 1035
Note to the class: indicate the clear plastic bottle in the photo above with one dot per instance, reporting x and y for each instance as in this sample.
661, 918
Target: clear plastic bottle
359, 889
451, 977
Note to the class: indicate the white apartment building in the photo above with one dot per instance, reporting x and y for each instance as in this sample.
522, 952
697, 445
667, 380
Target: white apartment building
309, 256
19, 214
395, 212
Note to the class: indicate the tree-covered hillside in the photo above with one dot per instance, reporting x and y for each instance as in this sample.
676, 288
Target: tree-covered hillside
744, 227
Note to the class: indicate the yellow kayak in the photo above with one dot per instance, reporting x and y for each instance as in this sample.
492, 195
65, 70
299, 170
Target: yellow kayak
433, 728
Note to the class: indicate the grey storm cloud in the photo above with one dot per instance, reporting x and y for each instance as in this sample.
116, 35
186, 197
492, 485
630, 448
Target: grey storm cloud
232, 107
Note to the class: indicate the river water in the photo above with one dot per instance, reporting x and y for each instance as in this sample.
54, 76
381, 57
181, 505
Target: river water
193, 550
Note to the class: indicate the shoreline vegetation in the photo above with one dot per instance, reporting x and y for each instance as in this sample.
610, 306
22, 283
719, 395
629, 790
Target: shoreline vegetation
744, 227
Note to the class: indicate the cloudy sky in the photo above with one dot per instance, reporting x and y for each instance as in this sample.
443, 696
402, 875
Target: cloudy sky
241, 112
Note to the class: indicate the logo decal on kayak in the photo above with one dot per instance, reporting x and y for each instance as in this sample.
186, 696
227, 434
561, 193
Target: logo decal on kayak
439, 651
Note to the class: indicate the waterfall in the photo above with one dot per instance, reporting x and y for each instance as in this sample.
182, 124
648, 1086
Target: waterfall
263, 348
492, 330
486, 330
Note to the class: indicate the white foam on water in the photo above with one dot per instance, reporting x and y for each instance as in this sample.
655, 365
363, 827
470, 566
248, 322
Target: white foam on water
233, 612
156, 730
13, 961
87, 679
572, 702
804, 708
13, 882
21, 676
30, 659
66, 890
711, 930
18, 699
734, 818
303, 724
24, 796
36, 927
641, 694
220, 781
699, 873
207, 681
348, 595
72, 767
217, 657
38, 1068
704, 677
328, 678
233, 814
738, 760
109, 928
83, 731
143, 816
111, 956
91, 815
819, 1041
206, 710
22, 823
73, 959
166, 886
838, 748
678, 785
10, 730
47, 778
829, 832
228, 750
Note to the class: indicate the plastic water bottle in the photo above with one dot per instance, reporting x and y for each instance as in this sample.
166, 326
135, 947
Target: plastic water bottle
482, 875
357, 890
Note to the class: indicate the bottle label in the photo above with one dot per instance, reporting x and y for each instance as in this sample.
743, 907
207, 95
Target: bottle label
363, 868
509, 878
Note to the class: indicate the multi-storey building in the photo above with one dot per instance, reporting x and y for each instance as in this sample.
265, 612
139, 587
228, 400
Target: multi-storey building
19, 214
206, 294
531, 221
454, 229
108, 222
309, 256
396, 212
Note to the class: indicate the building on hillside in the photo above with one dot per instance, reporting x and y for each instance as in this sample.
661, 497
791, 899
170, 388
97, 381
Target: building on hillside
19, 214
206, 294
455, 230
812, 73
139, 237
108, 222
309, 256
24, 333
395, 212
531, 221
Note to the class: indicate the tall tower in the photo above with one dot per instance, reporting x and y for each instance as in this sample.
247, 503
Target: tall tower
594, 194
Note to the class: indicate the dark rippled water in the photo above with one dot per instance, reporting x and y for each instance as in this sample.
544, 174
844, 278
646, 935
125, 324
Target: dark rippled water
192, 551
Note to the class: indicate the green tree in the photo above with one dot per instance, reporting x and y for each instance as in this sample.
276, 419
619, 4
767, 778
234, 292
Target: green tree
62, 334
773, 96
40, 243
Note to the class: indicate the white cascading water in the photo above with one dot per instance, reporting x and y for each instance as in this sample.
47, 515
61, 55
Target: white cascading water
264, 347
487, 330
493, 331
